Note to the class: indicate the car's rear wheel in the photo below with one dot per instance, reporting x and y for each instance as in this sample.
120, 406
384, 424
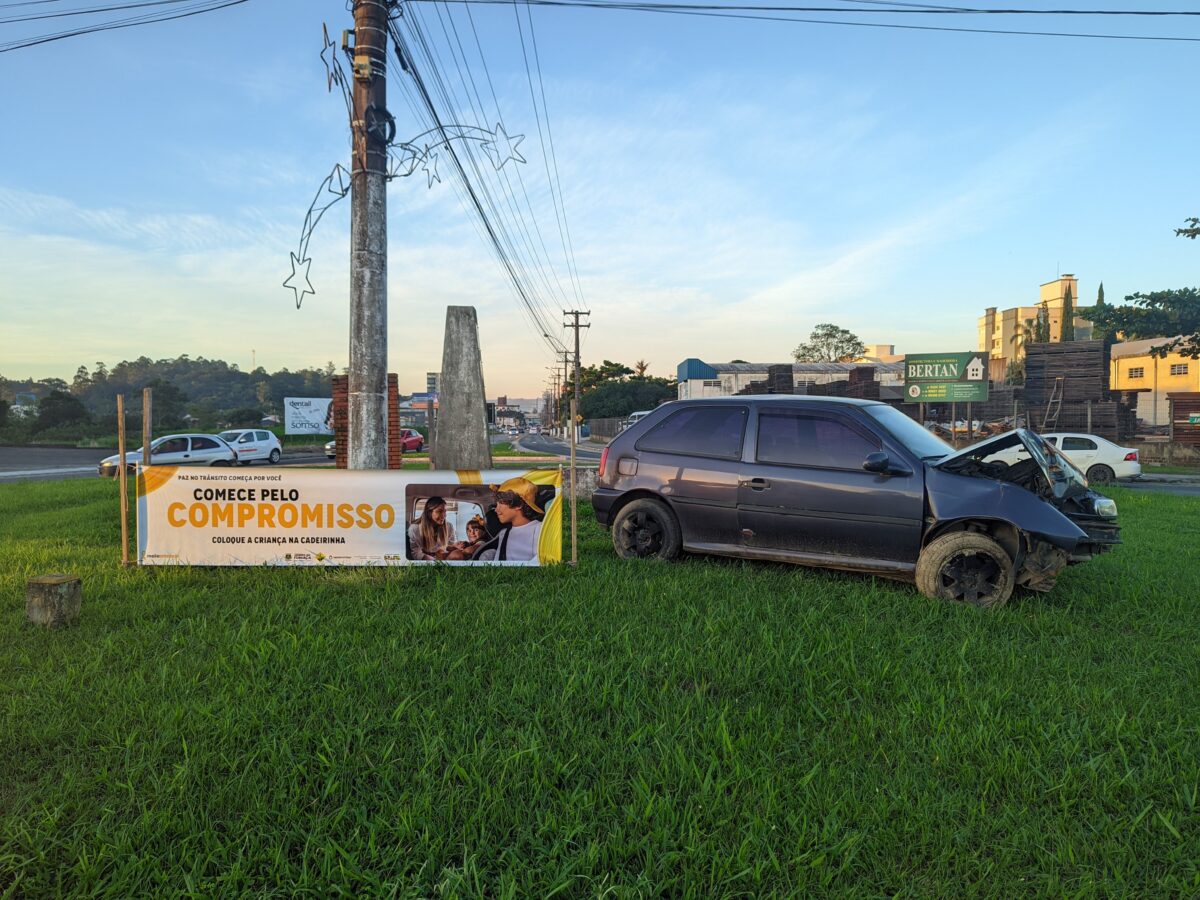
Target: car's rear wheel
275, 454
966, 567
646, 529
1101, 474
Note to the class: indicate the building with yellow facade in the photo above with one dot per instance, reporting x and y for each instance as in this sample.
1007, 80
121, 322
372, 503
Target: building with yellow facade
1002, 333
1134, 369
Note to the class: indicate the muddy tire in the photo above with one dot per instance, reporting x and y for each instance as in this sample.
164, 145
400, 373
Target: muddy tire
646, 529
1101, 474
966, 567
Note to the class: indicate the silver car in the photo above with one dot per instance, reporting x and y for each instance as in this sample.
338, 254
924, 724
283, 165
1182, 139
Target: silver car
176, 450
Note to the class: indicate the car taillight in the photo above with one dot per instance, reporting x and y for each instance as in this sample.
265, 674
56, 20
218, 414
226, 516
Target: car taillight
1131, 456
603, 460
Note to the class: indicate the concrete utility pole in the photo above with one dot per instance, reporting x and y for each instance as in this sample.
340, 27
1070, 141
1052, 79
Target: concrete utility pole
370, 132
564, 358
576, 313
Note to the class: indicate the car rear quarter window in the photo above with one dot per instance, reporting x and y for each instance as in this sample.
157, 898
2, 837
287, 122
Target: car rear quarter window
200, 443
797, 439
715, 431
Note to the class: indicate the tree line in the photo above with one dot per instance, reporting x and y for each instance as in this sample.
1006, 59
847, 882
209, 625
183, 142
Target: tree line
204, 393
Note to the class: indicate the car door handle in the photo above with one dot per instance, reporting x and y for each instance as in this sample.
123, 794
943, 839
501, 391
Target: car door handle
756, 484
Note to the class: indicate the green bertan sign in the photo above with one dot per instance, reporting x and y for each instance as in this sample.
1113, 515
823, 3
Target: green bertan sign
946, 377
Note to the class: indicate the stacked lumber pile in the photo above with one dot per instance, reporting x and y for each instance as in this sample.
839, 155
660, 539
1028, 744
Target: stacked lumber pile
1082, 365
862, 384
1184, 405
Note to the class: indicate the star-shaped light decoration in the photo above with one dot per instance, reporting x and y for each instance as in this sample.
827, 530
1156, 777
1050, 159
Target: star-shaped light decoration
502, 147
401, 165
339, 181
298, 280
429, 166
333, 69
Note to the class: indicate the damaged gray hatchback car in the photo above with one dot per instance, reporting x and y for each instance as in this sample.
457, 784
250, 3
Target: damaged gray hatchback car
849, 484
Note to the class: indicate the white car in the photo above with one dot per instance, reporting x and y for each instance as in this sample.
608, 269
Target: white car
252, 444
175, 450
1099, 459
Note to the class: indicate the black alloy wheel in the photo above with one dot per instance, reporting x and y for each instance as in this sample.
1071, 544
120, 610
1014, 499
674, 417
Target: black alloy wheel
969, 576
966, 567
1101, 474
646, 529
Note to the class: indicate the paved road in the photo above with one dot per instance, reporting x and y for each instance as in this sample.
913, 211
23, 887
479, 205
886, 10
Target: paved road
552, 446
55, 464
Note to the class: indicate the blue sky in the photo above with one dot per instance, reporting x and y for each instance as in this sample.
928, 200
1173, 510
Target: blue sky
728, 186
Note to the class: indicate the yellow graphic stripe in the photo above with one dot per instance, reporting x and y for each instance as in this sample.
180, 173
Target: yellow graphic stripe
550, 539
469, 476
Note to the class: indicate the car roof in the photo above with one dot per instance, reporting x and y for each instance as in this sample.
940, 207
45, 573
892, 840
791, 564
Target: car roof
760, 399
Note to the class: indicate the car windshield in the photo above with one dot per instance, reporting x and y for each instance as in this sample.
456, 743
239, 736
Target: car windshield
230, 435
923, 444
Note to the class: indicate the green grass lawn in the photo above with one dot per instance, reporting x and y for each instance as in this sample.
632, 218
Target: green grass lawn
708, 728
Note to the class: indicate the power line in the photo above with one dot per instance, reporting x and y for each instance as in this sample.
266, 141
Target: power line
205, 6
495, 237
89, 11
883, 7
721, 14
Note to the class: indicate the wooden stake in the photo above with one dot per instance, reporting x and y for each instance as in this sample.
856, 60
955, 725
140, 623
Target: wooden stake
147, 400
574, 491
122, 480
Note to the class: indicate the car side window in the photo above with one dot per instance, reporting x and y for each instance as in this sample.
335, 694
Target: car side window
699, 431
262, 435
246, 438
1074, 443
799, 439
175, 445
200, 443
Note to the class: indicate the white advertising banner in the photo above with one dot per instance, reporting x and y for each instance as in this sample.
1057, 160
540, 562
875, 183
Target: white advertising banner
329, 517
307, 415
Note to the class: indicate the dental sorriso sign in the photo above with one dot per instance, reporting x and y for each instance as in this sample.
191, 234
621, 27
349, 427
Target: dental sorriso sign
307, 415
321, 517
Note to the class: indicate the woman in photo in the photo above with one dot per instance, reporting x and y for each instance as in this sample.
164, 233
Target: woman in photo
430, 537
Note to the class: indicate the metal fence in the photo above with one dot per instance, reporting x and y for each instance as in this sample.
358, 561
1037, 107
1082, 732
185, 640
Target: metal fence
604, 428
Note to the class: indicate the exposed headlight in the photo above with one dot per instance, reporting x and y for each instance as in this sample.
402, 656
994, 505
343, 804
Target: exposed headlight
1106, 507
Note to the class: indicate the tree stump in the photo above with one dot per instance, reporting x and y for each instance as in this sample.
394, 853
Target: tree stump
53, 601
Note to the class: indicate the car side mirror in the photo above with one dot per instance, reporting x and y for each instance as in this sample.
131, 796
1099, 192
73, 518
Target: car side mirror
876, 462
880, 462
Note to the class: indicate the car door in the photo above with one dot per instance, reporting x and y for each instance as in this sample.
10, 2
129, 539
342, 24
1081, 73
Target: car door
247, 447
1080, 450
693, 457
806, 491
206, 451
170, 452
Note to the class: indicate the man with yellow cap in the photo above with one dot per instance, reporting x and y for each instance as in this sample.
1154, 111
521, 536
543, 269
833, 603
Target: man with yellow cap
517, 509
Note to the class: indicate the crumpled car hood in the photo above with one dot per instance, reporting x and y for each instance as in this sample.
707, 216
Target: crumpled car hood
1063, 477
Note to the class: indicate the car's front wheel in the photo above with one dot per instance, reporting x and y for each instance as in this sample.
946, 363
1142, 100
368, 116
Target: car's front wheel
966, 567
275, 456
1100, 474
646, 529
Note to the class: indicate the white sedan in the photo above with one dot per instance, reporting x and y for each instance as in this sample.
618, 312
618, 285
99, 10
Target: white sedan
176, 450
1099, 459
252, 444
